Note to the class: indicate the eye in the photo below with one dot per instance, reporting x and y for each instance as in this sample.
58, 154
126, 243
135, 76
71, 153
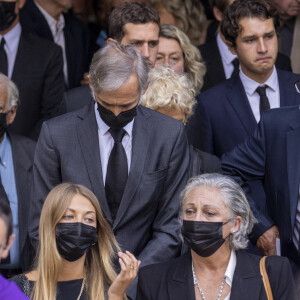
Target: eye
67, 217
210, 213
153, 44
270, 36
137, 43
189, 212
89, 220
249, 41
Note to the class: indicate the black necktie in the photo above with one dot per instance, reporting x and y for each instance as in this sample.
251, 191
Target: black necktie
264, 101
236, 67
3, 58
117, 172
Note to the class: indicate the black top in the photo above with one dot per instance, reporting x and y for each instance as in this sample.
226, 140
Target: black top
65, 289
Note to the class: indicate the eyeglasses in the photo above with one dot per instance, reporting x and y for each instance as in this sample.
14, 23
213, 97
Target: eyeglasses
297, 85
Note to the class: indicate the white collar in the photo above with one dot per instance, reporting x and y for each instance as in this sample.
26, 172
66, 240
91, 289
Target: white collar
12, 38
225, 53
250, 85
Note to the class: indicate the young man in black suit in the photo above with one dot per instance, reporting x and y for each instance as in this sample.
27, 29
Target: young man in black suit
16, 159
220, 62
36, 67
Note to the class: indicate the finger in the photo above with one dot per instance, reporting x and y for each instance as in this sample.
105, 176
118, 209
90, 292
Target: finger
133, 259
127, 261
122, 265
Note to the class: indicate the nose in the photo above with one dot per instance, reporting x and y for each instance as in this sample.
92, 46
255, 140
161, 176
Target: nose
261, 47
115, 110
145, 50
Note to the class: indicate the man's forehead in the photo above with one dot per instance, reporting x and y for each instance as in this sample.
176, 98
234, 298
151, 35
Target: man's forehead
142, 31
249, 26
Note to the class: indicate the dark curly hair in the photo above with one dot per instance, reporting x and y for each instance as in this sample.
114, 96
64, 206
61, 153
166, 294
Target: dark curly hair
130, 12
240, 9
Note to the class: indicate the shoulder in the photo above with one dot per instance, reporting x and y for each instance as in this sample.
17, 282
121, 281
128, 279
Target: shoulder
209, 163
287, 76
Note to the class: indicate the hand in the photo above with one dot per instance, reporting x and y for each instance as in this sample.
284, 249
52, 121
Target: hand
267, 242
129, 268
85, 79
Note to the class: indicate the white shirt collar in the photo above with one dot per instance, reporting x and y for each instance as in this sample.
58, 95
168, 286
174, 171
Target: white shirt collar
53, 23
250, 85
230, 268
103, 127
12, 38
226, 55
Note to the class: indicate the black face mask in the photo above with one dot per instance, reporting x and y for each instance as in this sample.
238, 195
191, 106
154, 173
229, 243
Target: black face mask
74, 239
3, 124
116, 122
7, 14
205, 238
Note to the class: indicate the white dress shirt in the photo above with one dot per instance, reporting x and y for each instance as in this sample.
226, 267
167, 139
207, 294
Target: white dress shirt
272, 92
12, 39
226, 56
106, 142
230, 271
57, 30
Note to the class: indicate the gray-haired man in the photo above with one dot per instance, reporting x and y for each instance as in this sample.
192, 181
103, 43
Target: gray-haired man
152, 152
16, 158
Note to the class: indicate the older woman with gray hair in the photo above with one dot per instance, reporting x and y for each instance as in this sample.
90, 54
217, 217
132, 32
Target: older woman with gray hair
216, 219
173, 94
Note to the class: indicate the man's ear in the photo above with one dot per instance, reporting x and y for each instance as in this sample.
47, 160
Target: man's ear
231, 47
8, 246
217, 13
10, 117
110, 40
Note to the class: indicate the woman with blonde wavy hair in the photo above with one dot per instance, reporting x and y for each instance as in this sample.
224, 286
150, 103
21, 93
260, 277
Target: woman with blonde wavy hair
176, 51
76, 251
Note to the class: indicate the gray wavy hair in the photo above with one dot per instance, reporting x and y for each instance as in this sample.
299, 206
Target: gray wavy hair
112, 66
193, 62
234, 199
12, 91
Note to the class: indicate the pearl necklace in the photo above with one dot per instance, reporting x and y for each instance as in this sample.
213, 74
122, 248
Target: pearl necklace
196, 282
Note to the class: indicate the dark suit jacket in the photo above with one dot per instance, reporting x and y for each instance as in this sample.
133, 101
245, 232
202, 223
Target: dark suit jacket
202, 162
223, 116
76, 39
173, 280
272, 155
147, 220
23, 152
38, 74
75, 99
215, 73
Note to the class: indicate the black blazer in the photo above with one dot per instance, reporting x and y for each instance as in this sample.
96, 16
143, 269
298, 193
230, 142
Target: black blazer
76, 39
202, 162
38, 74
272, 156
23, 152
173, 280
68, 151
215, 73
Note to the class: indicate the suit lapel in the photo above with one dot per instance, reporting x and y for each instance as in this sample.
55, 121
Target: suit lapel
247, 281
216, 64
181, 285
288, 94
237, 97
89, 143
293, 166
140, 144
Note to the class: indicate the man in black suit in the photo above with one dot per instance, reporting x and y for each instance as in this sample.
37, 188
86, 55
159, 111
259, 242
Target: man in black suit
35, 65
49, 19
272, 155
220, 62
139, 196
129, 23
16, 158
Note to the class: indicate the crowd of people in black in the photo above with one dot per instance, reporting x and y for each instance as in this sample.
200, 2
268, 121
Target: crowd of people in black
150, 149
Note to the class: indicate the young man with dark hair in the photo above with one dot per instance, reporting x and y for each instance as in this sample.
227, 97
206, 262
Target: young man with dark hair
221, 63
8, 290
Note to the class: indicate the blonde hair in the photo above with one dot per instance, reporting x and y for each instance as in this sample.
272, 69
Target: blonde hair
189, 16
169, 90
193, 62
99, 268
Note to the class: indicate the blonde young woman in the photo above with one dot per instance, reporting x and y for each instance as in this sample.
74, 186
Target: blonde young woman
76, 251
